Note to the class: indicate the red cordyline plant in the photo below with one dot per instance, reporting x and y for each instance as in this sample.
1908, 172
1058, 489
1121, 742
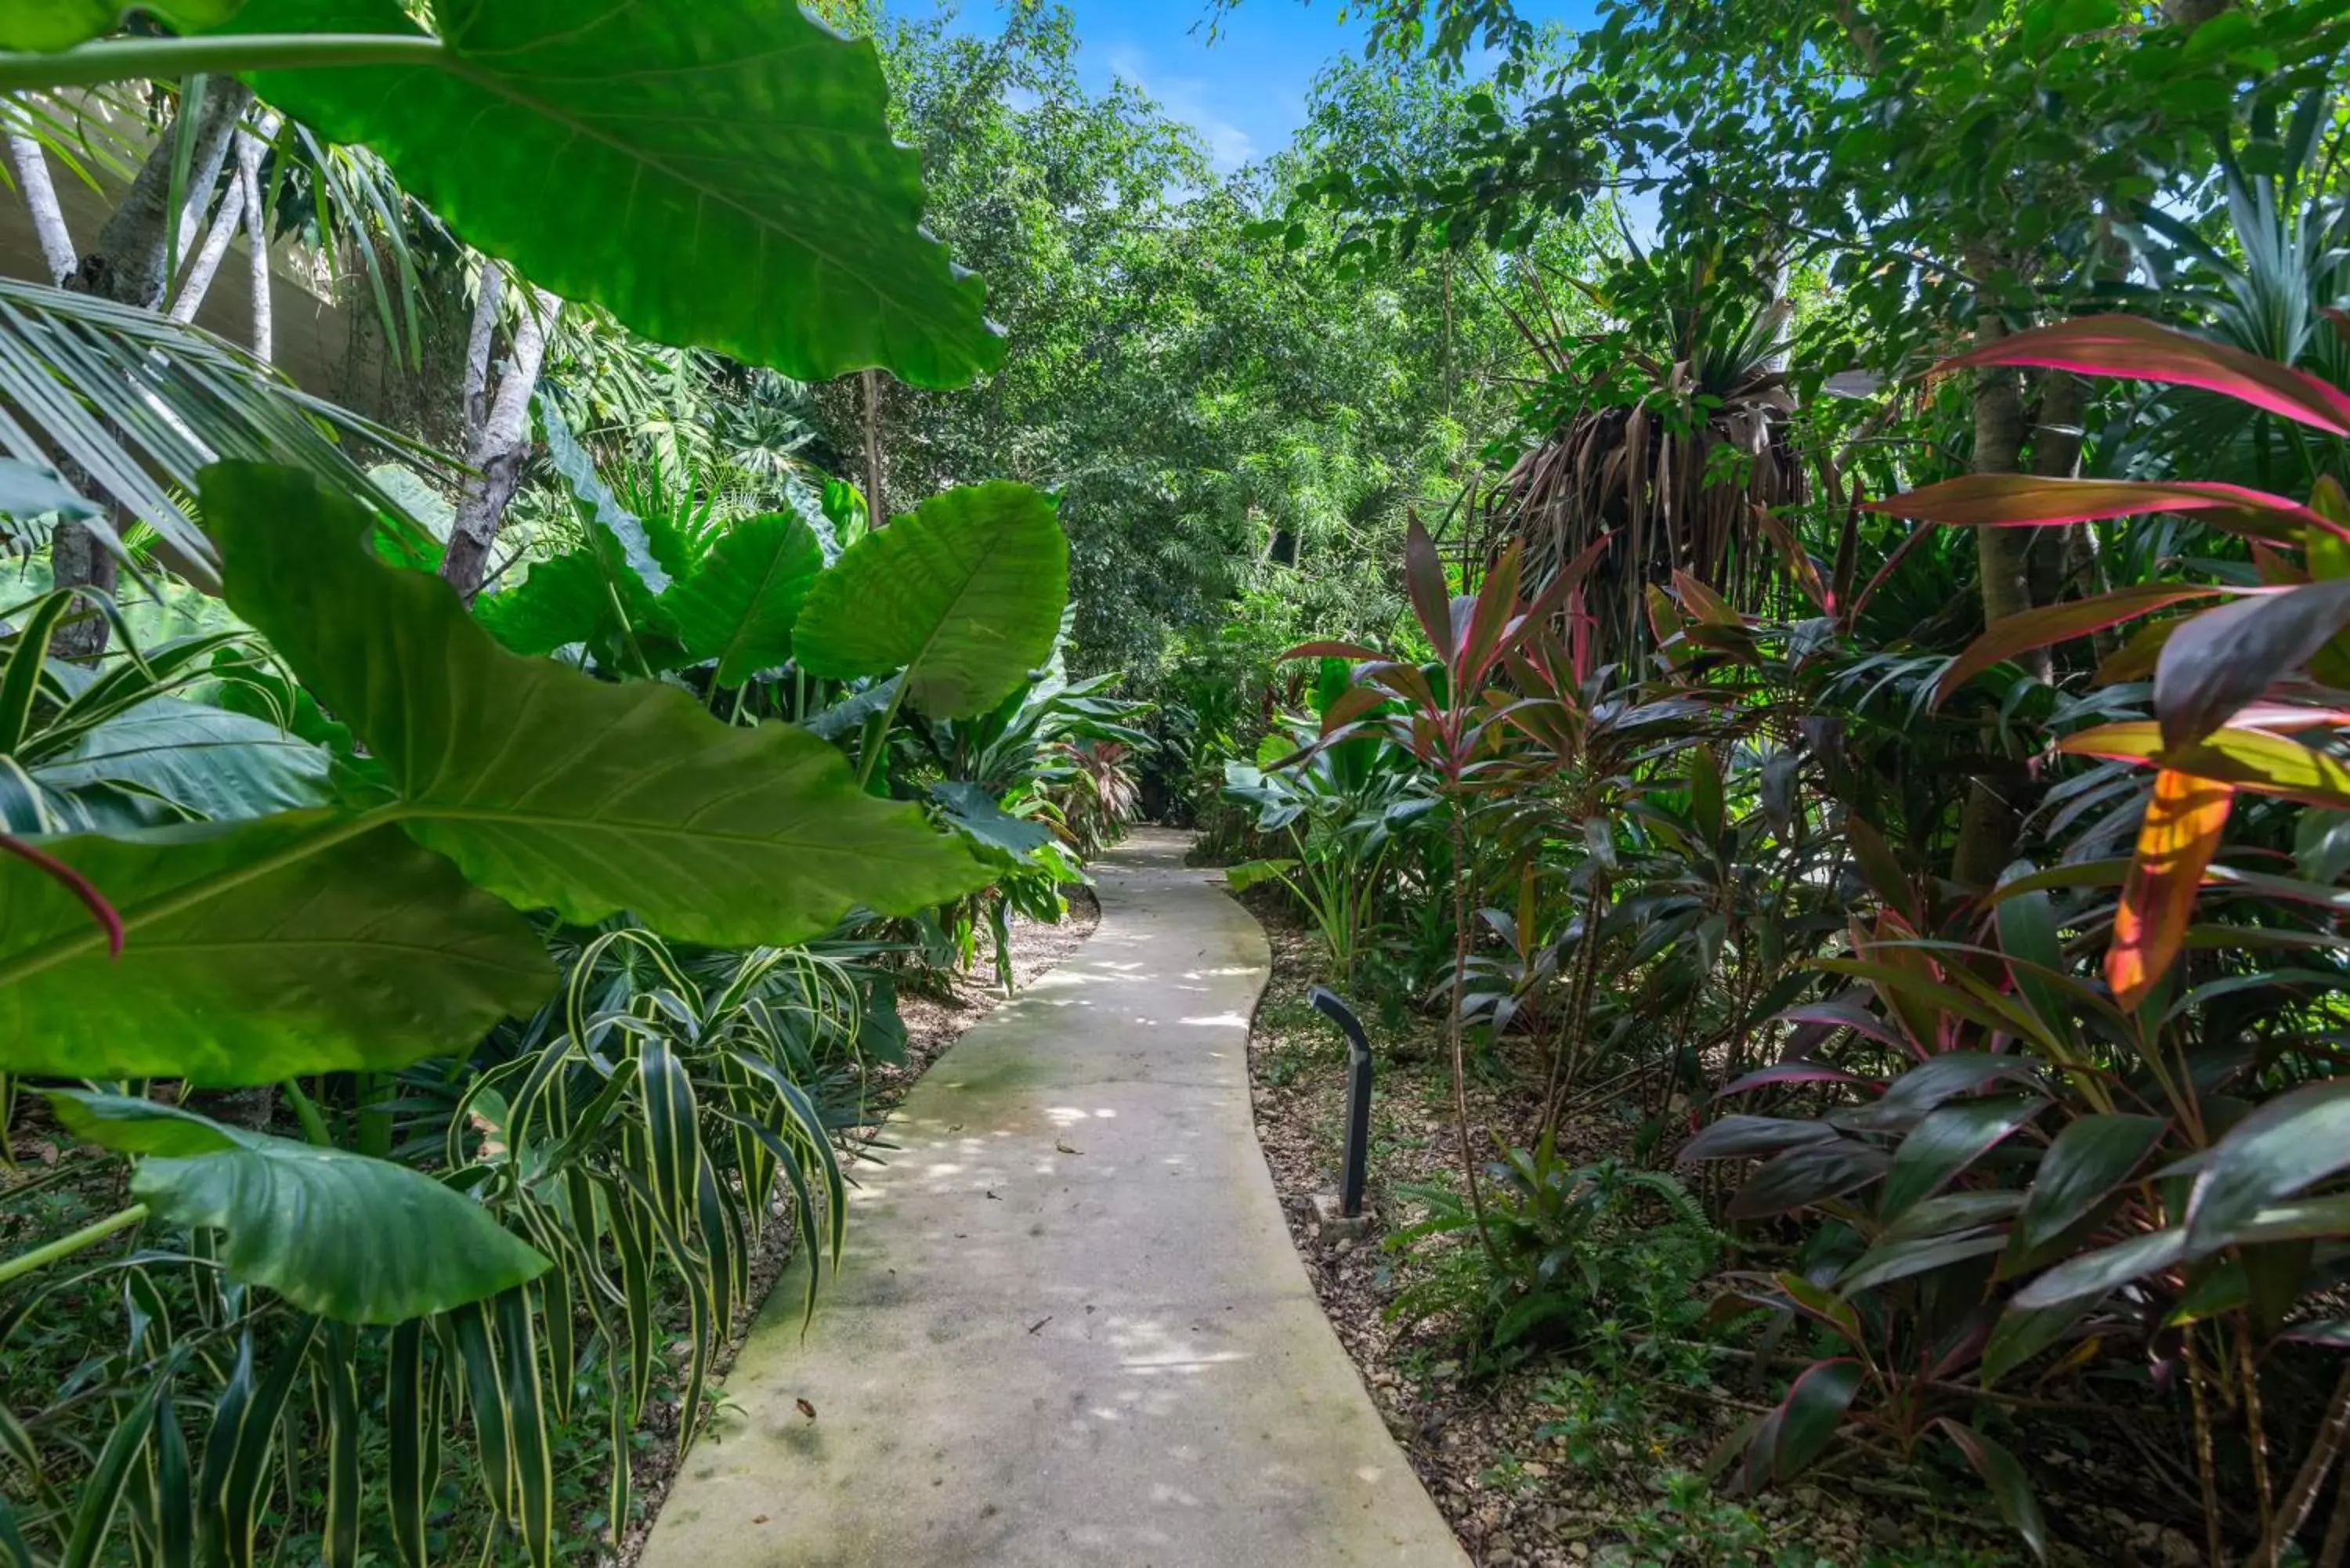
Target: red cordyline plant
1451, 716
2058, 1170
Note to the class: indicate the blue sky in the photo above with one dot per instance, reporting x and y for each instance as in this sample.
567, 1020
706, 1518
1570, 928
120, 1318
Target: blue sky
1246, 92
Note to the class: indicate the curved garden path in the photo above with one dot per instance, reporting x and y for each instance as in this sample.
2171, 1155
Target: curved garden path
1071, 1329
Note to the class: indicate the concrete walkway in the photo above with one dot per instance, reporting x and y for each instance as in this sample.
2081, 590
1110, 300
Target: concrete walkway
1072, 1330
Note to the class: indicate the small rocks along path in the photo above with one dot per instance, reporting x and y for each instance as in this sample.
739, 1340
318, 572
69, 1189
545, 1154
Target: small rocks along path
1071, 1329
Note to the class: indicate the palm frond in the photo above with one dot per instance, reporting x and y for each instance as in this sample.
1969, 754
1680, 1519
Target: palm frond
139, 403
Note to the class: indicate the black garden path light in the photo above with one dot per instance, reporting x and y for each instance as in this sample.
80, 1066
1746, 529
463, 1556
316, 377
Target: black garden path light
1342, 1215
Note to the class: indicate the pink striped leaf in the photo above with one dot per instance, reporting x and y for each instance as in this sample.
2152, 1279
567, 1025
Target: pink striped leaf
2015, 634
2027, 500
2146, 352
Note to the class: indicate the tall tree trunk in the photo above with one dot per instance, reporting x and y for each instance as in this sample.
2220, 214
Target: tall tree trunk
498, 452
31, 163
877, 509
198, 282
131, 264
1987, 827
256, 238
2056, 439
242, 196
478, 348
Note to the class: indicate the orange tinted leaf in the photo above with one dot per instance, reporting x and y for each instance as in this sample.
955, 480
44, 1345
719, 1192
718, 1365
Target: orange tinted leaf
2252, 759
2183, 824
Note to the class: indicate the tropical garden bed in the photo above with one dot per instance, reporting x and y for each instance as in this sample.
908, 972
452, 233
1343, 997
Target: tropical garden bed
1599, 1452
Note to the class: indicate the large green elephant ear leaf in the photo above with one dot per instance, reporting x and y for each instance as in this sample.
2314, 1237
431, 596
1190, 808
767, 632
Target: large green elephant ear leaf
964, 595
577, 596
45, 25
740, 608
565, 599
614, 534
338, 1234
548, 787
717, 173
298, 943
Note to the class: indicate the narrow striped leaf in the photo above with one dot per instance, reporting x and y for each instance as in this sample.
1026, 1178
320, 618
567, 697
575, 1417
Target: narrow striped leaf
665, 1094
339, 1367
616, 1496
176, 1499
410, 1405
249, 1470
631, 1243
562, 1352
485, 1395
102, 1488
219, 1447
694, 1270
533, 1458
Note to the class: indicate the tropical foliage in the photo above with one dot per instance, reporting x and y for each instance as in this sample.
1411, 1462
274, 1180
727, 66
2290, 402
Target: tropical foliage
1771, 576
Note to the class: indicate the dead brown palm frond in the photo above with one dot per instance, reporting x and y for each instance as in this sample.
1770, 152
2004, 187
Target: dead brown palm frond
1677, 454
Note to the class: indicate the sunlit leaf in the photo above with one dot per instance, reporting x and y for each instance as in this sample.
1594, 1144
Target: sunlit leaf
46, 25
2248, 758
552, 789
254, 951
740, 606
2181, 833
964, 595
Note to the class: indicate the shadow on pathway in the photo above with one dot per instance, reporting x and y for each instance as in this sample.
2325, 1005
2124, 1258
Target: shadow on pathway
1071, 1330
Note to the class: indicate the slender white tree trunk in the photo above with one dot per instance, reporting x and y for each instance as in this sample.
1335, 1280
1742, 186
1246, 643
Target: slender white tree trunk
199, 280
242, 192
498, 450
477, 351
31, 163
131, 264
257, 236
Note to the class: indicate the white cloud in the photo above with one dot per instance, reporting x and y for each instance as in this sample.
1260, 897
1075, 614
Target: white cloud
1189, 99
